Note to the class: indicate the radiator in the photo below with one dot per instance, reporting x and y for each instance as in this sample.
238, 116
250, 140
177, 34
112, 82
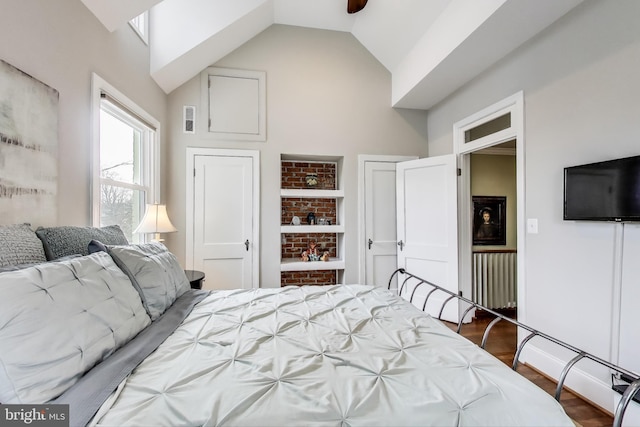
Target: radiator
494, 279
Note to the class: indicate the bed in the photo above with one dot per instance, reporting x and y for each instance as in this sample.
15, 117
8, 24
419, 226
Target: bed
336, 355
119, 337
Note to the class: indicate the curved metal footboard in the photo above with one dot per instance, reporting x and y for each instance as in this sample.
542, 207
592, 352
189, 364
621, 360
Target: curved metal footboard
628, 394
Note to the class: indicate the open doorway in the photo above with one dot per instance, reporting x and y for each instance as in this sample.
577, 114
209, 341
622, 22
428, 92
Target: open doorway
494, 131
494, 227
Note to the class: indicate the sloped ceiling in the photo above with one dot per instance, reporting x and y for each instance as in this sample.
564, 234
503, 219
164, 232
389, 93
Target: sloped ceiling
430, 47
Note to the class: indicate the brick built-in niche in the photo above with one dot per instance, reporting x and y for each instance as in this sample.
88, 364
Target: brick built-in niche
299, 199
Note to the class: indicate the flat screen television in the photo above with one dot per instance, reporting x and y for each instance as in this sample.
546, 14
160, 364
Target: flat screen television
603, 191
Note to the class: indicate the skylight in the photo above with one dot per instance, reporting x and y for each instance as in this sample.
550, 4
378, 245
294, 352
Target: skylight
140, 25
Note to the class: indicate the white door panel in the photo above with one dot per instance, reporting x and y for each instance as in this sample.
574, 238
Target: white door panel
226, 270
223, 221
428, 227
380, 222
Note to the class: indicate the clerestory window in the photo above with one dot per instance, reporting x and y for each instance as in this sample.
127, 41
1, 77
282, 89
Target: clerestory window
140, 25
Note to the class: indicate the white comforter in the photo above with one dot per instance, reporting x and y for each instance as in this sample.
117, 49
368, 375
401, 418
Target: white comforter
332, 356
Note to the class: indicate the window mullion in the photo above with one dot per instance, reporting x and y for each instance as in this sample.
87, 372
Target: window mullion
129, 186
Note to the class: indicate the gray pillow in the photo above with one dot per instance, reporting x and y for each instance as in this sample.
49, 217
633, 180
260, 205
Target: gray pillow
20, 245
154, 272
58, 320
15, 267
68, 240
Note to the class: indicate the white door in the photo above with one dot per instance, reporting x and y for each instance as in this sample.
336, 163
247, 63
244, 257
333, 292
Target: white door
380, 223
224, 236
428, 228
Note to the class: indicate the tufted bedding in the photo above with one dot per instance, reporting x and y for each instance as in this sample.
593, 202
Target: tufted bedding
336, 356
119, 337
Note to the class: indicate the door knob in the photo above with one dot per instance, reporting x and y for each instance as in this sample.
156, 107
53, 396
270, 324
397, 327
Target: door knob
370, 242
401, 244
246, 244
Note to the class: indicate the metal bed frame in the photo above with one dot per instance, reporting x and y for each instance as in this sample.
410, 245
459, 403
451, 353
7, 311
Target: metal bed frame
628, 376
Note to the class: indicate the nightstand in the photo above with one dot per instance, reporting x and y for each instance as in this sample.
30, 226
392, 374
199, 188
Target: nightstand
195, 278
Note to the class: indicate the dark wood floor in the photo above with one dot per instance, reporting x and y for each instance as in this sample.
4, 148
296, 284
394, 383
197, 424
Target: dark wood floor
502, 344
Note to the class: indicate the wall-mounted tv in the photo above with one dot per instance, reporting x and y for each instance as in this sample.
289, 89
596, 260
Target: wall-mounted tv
603, 191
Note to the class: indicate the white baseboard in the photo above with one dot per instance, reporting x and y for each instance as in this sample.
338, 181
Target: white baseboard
632, 415
583, 383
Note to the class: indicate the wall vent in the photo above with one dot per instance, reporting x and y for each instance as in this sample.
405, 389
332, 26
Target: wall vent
189, 119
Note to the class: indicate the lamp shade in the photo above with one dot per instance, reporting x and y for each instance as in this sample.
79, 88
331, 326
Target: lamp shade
156, 221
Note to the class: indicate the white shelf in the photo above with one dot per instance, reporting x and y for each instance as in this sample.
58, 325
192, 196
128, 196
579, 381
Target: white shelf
333, 198
311, 194
312, 229
295, 264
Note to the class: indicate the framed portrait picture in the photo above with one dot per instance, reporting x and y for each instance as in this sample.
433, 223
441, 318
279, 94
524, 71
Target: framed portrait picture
489, 220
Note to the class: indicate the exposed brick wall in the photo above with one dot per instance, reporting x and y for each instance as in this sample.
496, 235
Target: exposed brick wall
294, 174
300, 207
294, 244
316, 277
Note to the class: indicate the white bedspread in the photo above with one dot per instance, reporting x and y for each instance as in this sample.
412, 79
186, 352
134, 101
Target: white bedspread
333, 356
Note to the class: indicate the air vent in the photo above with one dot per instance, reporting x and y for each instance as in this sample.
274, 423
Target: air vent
189, 119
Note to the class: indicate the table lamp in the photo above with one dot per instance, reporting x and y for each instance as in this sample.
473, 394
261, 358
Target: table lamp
155, 221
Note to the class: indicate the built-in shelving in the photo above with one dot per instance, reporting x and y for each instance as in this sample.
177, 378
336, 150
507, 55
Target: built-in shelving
298, 200
291, 264
312, 229
311, 194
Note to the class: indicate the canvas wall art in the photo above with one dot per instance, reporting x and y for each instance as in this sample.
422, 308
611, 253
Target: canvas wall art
489, 220
28, 149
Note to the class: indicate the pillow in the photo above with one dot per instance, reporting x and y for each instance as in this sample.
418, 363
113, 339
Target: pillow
58, 320
154, 272
15, 267
69, 240
19, 245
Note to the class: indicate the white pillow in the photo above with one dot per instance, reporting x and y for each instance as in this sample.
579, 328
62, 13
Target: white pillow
154, 271
58, 320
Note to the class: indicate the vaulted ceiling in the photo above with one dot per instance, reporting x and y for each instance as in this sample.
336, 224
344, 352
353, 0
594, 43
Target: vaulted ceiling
430, 47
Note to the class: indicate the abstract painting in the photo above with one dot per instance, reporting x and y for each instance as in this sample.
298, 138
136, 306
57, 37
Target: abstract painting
28, 149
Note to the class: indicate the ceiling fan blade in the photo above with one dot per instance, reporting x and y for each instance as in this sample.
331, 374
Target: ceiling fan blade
354, 6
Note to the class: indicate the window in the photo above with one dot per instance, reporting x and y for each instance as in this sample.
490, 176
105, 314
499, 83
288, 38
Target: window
125, 171
487, 128
140, 25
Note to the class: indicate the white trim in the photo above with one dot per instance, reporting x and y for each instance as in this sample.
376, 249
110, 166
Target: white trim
297, 265
511, 105
515, 106
98, 86
362, 247
189, 225
303, 193
579, 381
517, 122
311, 229
143, 33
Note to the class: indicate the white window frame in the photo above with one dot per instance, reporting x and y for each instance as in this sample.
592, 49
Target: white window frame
141, 30
151, 162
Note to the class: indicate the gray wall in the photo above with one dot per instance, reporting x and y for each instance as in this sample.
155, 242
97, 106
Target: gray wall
581, 93
61, 43
326, 95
